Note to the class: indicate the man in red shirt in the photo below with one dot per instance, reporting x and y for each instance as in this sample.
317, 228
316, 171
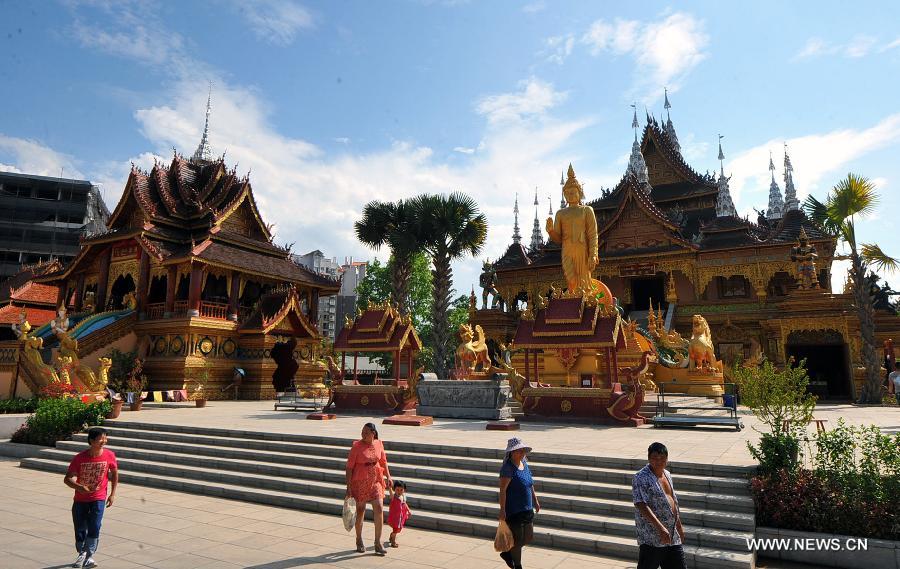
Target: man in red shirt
88, 474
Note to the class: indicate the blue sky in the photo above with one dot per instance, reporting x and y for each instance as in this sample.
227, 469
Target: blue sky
332, 104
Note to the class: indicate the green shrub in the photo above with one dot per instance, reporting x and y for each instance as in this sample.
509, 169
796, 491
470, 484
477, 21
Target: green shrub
59, 419
852, 489
777, 453
776, 396
18, 405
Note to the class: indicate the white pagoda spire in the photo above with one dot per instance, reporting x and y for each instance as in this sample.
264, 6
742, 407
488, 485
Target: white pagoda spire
537, 238
670, 128
724, 204
203, 152
791, 203
517, 237
562, 182
636, 165
776, 205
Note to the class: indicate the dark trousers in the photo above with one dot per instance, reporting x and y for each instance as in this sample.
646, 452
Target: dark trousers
522, 526
87, 517
667, 557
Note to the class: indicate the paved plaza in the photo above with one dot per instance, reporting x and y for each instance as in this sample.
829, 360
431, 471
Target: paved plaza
170, 530
700, 445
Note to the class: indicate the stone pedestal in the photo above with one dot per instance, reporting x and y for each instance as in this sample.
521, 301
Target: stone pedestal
454, 399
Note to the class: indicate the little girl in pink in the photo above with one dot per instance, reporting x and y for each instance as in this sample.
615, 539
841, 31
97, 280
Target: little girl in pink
399, 511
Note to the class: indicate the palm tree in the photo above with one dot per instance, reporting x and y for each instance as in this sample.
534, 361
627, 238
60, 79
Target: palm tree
449, 227
853, 197
388, 223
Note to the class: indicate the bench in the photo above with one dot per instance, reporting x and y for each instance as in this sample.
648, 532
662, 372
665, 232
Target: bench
820, 424
694, 420
291, 401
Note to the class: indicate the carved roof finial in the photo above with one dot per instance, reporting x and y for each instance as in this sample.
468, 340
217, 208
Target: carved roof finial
636, 165
670, 128
537, 238
203, 152
776, 204
517, 237
724, 203
790, 192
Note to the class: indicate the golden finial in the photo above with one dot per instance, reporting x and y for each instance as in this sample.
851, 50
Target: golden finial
571, 173
348, 322
541, 302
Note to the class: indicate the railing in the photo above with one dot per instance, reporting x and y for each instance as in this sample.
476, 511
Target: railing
156, 310
215, 310
181, 308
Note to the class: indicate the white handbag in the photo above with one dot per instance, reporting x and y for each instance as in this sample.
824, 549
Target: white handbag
349, 513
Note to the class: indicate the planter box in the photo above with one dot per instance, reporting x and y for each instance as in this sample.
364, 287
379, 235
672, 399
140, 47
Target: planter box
878, 553
10, 422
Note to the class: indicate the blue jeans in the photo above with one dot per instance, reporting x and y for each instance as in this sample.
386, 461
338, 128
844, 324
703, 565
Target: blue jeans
87, 517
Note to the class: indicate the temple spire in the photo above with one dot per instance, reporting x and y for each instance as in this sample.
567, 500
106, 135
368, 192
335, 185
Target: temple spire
724, 203
791, 202
537, 238
550, 203
636, 165
517, 237
203, 152
776, 205
562, 182
670, 128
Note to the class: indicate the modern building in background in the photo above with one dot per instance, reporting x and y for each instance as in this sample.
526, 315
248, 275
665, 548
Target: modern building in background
333, 309
43, 218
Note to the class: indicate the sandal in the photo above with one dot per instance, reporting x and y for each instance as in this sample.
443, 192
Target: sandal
379, 549
360, 546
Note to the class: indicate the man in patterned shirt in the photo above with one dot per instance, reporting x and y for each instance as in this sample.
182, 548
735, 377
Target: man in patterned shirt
657, 518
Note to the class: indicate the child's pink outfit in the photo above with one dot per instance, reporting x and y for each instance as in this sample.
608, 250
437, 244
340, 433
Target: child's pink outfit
398, 513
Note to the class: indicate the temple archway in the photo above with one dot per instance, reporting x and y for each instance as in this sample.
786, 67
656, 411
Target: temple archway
157, 291
827, 361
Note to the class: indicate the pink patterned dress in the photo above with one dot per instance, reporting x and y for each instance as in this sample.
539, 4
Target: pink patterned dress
368, 463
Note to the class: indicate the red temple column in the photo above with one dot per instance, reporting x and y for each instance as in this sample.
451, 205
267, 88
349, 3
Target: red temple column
79, 292
195, 290
233, 296
614, 378
143, 283
397, 367
102, 280
355, 370
171, 284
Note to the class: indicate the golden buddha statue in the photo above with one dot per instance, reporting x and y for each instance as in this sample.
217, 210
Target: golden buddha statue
575, 229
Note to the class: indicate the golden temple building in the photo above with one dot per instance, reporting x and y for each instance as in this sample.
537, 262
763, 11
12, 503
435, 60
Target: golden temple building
671, 241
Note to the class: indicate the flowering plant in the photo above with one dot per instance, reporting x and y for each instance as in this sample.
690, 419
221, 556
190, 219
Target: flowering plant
57, 389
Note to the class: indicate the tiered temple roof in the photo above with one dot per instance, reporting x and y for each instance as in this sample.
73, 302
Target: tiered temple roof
21, 292
378, 329
570, 323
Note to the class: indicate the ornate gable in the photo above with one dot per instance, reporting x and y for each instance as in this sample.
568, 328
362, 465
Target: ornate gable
244, 220
638, 224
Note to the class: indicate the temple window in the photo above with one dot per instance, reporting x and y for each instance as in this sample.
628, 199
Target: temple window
216, 289
184, 286
157, 292
733, 287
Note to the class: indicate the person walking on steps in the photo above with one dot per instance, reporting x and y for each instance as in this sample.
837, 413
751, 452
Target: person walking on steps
657, 517
88, 474
518, 502
366, 471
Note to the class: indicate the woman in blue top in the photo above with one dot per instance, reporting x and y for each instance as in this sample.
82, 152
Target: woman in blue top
518, 502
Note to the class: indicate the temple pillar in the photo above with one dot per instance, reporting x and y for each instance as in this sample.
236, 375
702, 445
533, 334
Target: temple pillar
79, 292
314, 307
171, 284
103, 280
143, 283
233, 296
194, 290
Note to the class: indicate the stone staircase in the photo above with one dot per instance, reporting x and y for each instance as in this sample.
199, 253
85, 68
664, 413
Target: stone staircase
586, 501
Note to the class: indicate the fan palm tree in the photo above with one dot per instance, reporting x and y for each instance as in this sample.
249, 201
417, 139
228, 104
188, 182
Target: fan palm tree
391, 224
449, 227
855, 197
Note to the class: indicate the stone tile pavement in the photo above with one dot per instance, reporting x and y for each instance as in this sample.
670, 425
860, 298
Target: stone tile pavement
700, 445
169, 530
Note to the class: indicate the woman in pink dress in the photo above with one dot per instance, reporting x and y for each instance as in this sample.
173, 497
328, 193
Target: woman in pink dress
367, 469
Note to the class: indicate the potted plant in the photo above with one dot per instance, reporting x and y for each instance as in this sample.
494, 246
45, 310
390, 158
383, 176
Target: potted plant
117, 404
136, 384
199, 378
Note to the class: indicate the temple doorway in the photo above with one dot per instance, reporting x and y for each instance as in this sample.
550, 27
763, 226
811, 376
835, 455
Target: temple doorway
827, 361
645, 290
122, 286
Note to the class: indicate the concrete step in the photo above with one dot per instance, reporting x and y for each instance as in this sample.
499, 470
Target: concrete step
688, 476
434, 481
465, 517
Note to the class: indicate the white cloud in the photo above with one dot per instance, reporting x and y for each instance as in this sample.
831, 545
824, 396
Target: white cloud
814, 157
464, 150
535, 7
859, 46
664, 51
558, 48
32, 157
342, 140
535, 98
275, 21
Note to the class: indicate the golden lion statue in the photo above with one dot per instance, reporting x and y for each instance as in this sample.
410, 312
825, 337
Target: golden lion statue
700, 348
473, 350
